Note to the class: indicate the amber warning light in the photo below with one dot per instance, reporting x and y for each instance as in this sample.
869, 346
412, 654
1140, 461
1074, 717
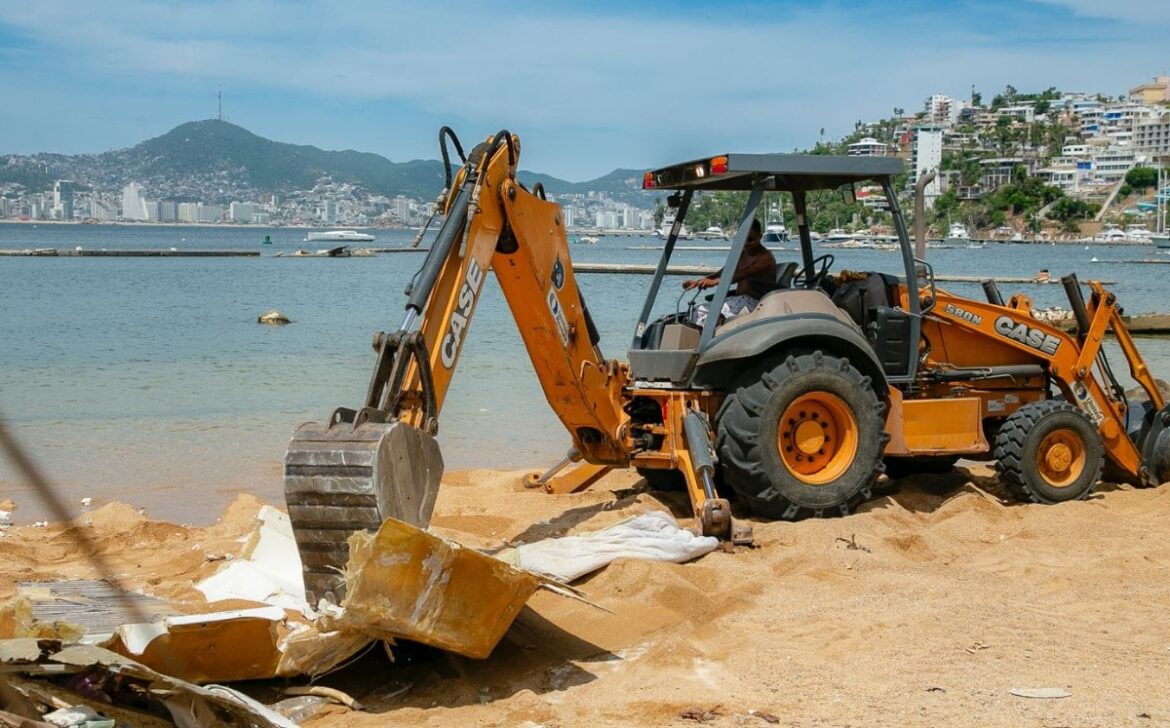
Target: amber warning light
718, 165
648, 181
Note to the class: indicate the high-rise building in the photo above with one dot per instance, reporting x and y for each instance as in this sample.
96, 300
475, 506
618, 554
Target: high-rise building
242, 212
133, 203
402, 208
189, 211
210, 213
940, 108
63, 200
926, 155
329, 212
5, 207
168, 211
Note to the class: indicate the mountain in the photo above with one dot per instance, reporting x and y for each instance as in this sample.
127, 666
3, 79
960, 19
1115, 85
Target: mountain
217, 161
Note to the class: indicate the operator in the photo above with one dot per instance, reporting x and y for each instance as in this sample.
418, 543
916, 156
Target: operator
753, 277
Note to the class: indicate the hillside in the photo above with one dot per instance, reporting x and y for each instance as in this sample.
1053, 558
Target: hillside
217, 161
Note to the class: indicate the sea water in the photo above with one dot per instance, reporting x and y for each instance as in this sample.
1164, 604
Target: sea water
148, 380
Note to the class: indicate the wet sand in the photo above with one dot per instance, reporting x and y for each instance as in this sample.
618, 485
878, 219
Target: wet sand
923, 609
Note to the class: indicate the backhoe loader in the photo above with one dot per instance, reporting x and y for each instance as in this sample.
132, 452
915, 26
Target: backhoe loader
796, 407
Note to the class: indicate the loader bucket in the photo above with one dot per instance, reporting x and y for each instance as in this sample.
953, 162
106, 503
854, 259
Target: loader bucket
339, 479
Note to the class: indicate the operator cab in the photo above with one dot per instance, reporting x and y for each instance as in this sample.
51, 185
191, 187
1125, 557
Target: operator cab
861, 312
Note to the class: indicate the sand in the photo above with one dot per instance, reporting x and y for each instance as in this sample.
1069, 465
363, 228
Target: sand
924, 609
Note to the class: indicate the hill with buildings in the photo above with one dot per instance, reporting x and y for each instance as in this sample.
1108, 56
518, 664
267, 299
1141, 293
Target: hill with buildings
217, 163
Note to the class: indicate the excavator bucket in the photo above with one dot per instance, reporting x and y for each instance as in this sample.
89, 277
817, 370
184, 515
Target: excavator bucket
340, 478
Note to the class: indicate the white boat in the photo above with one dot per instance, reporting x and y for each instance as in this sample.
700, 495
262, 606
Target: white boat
340, 236
1111, 234
958, 233
588, 240
775, 234
713, 233
1161, 240
838, 235
684, 232
1138, 234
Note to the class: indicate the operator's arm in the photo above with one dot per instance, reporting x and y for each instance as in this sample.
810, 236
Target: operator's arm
706, 282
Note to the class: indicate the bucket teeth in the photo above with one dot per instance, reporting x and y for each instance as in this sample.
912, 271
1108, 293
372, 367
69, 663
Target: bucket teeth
342, 479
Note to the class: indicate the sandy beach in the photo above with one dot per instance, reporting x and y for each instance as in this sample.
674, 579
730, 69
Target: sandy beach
924, 609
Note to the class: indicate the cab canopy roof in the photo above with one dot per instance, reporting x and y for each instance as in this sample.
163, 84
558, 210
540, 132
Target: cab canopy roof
780, 172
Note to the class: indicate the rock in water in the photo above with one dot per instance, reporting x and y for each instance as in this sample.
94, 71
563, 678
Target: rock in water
273, 318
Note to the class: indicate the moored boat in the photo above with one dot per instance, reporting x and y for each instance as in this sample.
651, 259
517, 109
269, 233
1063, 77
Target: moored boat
339, 236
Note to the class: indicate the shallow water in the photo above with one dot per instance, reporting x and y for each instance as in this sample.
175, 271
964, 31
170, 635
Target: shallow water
148, 380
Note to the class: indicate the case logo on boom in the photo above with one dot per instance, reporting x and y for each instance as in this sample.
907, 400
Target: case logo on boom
1025, 334
453, 339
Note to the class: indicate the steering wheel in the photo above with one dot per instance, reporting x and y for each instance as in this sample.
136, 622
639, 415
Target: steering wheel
820, 265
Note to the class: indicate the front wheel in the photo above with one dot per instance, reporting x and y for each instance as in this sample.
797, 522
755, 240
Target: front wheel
805, 438
1049, 452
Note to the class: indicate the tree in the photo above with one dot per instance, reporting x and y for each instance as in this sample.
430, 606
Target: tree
1141, 177
1067, 209
976, 99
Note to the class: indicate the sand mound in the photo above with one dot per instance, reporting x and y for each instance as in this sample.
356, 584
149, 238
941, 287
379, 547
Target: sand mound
923, 609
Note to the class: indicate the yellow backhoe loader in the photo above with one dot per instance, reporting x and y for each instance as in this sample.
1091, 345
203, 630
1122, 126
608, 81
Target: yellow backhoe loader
795, 407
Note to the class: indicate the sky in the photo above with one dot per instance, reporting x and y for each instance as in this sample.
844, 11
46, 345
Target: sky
588, 86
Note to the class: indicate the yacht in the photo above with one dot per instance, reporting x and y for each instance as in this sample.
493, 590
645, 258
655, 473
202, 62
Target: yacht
1111, 234
713, 233
838, 235
1138, 234
775, 234
340, 236
958, 233
684, 232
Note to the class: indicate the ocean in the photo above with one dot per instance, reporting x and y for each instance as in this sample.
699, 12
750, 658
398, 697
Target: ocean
148, 380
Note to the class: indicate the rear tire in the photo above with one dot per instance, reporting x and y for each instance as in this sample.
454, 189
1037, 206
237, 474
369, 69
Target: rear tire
1049, 452
805, 438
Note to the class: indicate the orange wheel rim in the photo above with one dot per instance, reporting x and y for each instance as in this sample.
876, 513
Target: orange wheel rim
817, 437
1061, 458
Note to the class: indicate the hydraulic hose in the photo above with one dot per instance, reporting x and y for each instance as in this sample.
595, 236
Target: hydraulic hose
447, 133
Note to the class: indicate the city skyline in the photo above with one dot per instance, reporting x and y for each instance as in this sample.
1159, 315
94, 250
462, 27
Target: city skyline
588, 88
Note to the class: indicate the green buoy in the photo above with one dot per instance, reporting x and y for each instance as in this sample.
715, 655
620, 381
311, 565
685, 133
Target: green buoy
267, 240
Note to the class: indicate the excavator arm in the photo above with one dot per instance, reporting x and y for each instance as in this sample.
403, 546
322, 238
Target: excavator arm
381, 460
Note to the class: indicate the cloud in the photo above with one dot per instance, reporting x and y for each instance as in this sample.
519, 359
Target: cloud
599, 85
1135, 11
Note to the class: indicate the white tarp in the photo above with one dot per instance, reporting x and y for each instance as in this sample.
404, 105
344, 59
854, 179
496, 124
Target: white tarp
654, 536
